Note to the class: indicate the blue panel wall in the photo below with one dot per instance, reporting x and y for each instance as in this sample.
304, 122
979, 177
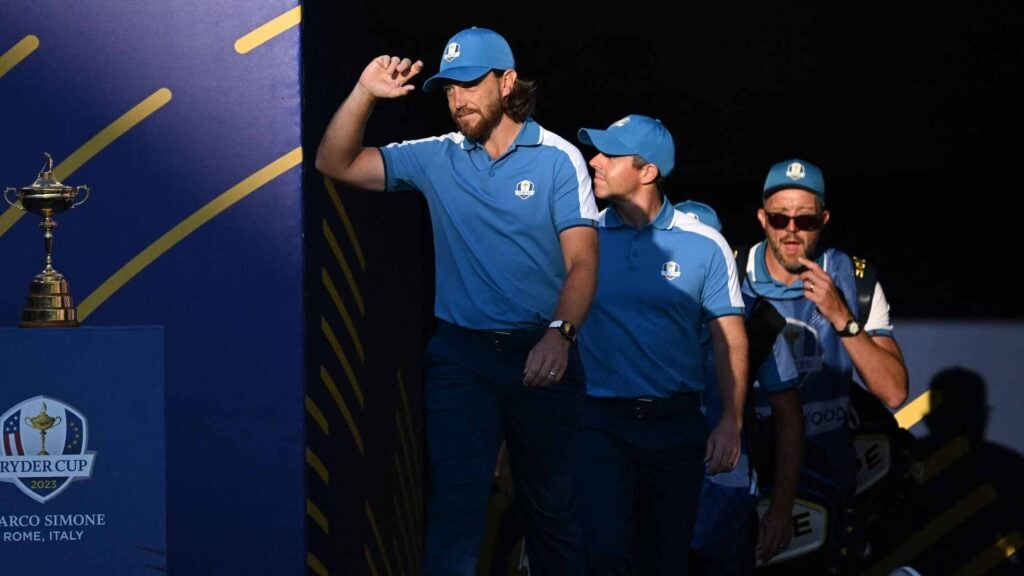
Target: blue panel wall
187, 130
369, 289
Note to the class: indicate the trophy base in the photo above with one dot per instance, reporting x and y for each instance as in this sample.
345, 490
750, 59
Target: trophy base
49, 303
49, 324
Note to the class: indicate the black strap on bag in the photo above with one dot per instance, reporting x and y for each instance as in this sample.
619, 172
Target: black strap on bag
866, 276
764, 323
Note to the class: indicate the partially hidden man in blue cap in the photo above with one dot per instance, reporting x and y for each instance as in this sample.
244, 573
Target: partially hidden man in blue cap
729, 537
515, 249
837, 318
644, 439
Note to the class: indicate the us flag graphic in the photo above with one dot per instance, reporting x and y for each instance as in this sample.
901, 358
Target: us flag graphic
12, 435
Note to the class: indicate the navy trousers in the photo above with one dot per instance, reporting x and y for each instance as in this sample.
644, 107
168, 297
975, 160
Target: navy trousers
474, 398
640, 478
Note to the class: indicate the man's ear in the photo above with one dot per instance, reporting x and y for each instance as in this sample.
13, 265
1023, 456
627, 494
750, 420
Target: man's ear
508, 81
649, 173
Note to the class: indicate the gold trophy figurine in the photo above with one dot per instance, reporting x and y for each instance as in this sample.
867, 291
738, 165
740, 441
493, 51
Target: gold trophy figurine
42, 422
49, 303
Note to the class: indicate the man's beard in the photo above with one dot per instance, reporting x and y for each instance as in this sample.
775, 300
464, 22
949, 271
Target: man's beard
794, 266
487, 119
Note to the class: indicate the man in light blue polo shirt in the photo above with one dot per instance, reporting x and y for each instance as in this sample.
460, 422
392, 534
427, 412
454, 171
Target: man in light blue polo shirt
644, 440
816, 288
515, 247
728, 537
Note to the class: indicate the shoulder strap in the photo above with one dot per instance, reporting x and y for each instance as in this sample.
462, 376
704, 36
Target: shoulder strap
764, 323
866, 276
741, 252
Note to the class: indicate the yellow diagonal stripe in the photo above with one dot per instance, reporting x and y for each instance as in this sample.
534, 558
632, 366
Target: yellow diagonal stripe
405, 442
186, 227
412, 432
317, 415
17, 53
928, 535
313, 512
332, 290
377, 537
913, 413
345, 268
268, 31
325, 377
403, 484
332, 192
316, 565
369, 560
398, 558
339, 352
95, 145
993, 555
406, 538
945, 456
317, 465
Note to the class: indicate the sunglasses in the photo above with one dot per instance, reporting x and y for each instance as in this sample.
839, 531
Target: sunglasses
805, 222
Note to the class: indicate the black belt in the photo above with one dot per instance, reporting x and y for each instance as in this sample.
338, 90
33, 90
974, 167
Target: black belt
499, 340
650, 407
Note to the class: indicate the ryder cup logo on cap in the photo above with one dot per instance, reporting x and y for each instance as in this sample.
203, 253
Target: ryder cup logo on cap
451, 52
795, 173
635, 134
469, 55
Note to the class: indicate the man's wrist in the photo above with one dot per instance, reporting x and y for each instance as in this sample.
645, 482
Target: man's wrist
850, 327
566, 329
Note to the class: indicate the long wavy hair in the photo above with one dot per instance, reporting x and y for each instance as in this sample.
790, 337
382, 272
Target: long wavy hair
522, 101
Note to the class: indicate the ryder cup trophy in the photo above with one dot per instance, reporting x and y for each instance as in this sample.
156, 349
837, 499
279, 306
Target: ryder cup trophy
49, 303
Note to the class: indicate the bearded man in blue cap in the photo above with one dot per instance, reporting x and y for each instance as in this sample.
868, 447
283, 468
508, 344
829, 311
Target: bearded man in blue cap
515, 248
644, 442
817, 289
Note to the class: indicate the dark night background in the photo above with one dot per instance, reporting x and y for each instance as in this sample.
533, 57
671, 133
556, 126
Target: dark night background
911, 112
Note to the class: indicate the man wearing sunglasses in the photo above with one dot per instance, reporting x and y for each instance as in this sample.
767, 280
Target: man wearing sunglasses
814, 287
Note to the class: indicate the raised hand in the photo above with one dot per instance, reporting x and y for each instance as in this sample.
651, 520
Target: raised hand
819, 288
388, 76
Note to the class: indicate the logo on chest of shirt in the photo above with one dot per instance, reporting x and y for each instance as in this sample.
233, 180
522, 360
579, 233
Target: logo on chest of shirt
804, 343
525, 189
670, 270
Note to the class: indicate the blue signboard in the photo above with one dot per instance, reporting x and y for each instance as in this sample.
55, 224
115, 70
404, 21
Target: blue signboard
183, 120
82, 456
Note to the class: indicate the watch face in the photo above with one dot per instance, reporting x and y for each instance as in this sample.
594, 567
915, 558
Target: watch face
568, 331
852, 328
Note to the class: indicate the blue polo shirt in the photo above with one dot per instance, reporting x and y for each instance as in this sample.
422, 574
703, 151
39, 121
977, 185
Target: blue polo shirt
656, 287
498, 258
825, 369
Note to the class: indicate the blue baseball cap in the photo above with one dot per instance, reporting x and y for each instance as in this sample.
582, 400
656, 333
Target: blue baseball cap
701, 212
795, 173
635, 134
469, 55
